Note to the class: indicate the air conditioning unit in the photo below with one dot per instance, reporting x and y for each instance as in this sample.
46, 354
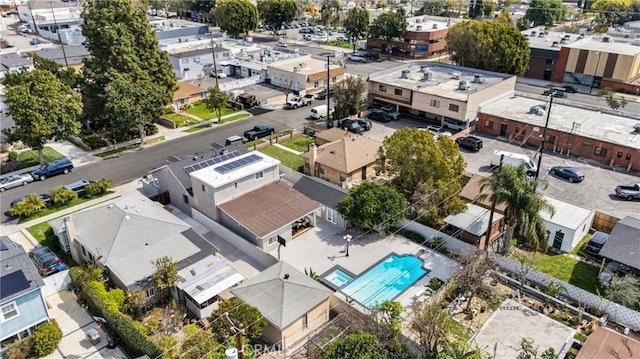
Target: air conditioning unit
435, 26
296, 69
405, 74
606, 39
463, 85
455, 75
419, 27
427, 76
478, 79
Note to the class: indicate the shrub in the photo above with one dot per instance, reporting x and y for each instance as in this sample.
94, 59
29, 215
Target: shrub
45, 338
78, 142
19, 349
10, 166
94, 141
13, 156
167, 110
414, 236
62, 196
98, 188
30, 205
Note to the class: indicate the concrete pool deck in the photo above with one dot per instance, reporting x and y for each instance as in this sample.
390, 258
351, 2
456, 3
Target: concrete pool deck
328, 246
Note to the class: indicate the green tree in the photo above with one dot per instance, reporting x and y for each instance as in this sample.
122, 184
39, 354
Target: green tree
236, 17
429, 322
389, 26
198, 344
274, 13
165, 275
98, 188
43, 108
432, 7
612, 12
45, 338
613, 101
460, 350
489, 45
32, 204
545, 12
529, 351
359, 345
330, 12
388, 329
216, 101
349, 96
624, 290
68, 76
511, 187
426, 170
61, 195
505, 17
123, 48
371, 205
356, 25
239, 313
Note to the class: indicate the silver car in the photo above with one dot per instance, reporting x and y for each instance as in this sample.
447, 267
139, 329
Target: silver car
15, 181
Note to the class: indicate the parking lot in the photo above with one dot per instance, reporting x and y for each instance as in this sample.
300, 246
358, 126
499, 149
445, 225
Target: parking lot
596, 192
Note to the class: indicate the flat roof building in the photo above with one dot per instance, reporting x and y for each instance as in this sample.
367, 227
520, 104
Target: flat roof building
545, 48
304, 74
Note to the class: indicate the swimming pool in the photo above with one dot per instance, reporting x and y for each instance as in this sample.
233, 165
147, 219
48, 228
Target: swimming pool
385, 280
338, 278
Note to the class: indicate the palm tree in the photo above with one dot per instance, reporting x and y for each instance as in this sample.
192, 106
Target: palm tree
624, 290
460, 350
28, 206
510, 186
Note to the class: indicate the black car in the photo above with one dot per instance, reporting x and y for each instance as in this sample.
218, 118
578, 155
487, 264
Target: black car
470, 142
555, 93
43, 196
379, 116
352, 126
365, 123
570, 89
596, 242
371, 56
322, 95
46, 261
571, 174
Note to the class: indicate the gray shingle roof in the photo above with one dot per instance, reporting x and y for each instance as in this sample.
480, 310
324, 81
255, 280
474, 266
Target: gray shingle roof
320, 191
13, 258
282, 301
623, 245
14, 60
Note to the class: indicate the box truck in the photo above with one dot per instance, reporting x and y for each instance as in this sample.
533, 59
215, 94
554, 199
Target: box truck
513, 159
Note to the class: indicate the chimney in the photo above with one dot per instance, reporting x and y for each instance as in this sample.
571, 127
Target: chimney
70, 236
313, 157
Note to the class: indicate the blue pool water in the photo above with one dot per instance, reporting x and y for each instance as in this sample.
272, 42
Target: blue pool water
338, 278
386, 280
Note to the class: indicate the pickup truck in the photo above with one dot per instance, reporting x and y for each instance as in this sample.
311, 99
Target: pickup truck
629, 192
258, 131
298, 101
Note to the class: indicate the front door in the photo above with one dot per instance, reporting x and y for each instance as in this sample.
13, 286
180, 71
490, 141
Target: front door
547, 75
364, 172
557, 240
503, 130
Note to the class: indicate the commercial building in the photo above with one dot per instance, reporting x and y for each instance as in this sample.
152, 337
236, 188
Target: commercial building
51, 19
304, 74
545, 48
198, 63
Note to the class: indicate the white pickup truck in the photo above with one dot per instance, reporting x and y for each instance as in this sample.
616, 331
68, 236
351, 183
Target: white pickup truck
629, 192
298, 101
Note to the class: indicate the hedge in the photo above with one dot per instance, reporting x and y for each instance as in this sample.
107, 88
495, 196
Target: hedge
106, 304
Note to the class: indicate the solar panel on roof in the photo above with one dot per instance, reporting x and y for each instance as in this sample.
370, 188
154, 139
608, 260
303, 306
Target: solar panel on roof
241, 162
13, 283
211, 161
3, 246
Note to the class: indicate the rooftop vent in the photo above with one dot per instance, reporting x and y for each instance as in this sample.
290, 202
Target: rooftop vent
296, 69
405, 74
127, 218
581, 36
606, 39
554, 44
533, 33
478, 79
636, 128
427, 76
286, 276
567, 37
418, 21
562, 40
110, 206
424, 68
463, 85
455, 75
435, 26
541, 34
448, 21
538, 110
419, 27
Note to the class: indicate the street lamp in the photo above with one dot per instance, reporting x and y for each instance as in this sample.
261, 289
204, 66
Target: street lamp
593, 79
348, 239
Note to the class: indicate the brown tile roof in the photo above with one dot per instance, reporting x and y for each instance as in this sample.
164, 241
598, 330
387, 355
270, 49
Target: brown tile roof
348, 154
472, 189
604, 342
187, 90
332, 134
269, 208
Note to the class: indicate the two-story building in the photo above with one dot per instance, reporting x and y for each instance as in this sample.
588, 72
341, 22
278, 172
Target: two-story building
438, 92
22, 305
545, 48
304, 74
192, 64
54, 20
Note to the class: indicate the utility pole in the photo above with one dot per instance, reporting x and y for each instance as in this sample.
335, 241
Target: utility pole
493, 209
239, 346
544, 134
55, 24
328, 87
215, 66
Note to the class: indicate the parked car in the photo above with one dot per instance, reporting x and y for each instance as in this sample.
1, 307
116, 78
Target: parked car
356, 58
235, 139
55, 167
259, 131
595, 243
43, 196
281, 44
570, 89
15, 181
365, 123
371, 56
439, 131
352, 126
470, 142
78, 186
307, 37
629, 192
389, 110
571, 174
322, 95
248, 101
455, 125
298, 101
35, 41
343, 38
46, 261
379, 116
555, 92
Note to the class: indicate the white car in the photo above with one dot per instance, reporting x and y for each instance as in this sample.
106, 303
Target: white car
439, 131
455, 125
356, 58
15, 181
220, 74
281, 44
342, 38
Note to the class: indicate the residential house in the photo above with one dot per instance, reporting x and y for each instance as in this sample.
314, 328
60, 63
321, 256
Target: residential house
439, 92
304, 74
54, 20
198, 63
124, 237
345, 162
545, 48
187, 94
331, 135
472, 224
605, 342
13, 63
425, 38
568, 225
601, 134
22, 305
293, 304
71, 56
622, 249
472, 189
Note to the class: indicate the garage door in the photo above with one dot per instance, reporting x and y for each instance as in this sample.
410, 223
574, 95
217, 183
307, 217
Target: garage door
55, 283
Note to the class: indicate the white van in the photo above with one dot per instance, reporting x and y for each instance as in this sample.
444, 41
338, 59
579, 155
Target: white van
513, 159
319, 112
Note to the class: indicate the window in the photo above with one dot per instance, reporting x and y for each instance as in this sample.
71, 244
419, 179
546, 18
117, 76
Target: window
382, 88
627, 157
488, 124
397, 92
331, 215
91, 257
619, 155
150, 292
259, 175
550, 139
549, 61
9, 311
435, 103
343, 177
321, 169
203, 188
185, 61
273, 240
316, 84
84, 251
600, 151
454, 108
305, 322
334, 79
185, 199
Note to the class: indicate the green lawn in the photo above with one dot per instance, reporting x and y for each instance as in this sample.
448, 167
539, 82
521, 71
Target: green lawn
237, 117
338, 43
44, 235
257, 142
579, 249
197, 128
31, 158
287, 158
180, 120
154, 140
201, 111
568, 269
298, 143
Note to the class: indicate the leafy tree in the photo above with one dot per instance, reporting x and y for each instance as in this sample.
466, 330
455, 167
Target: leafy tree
432, 7
505, 17
61, 195
30, 205
239, 313
529, 351
389, 26
203, 5
356, 25
198, 345
426, 170
236, 17
43, 108
330, 12
359, 345
165, 275
388, 328
624, 290
372, 205
170, 347
613, 101
510, 186
489, 45
216, 101
124, 49
348, 96
612, 12
545, 12
45, 338
274, 13
474, 265
454, 8
429, 322
68, 76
